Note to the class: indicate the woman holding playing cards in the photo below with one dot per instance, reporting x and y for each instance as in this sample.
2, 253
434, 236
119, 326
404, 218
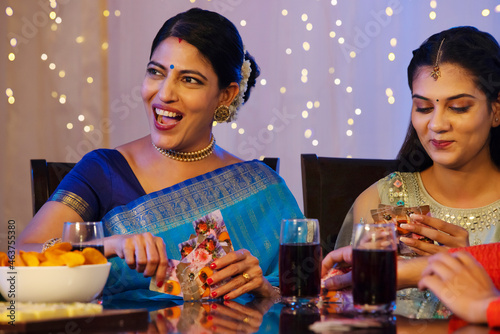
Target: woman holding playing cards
148, 193
453, 144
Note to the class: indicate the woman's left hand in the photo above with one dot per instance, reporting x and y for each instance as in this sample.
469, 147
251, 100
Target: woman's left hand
245, 275
461, 283
446, 234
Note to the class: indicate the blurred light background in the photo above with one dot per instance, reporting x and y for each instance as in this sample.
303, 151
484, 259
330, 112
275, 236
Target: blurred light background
333, 78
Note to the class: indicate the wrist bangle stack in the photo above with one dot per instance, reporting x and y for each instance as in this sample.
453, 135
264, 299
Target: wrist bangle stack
51, 242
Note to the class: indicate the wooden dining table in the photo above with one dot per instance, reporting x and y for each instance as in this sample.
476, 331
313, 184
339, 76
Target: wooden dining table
243, 315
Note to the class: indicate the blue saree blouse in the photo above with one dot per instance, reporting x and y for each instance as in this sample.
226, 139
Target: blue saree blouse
251, 197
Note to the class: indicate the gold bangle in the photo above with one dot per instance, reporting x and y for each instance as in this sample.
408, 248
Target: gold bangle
51, 242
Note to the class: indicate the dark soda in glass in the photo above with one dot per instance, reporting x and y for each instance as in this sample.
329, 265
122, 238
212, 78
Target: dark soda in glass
300, 270
374, 277
81, 247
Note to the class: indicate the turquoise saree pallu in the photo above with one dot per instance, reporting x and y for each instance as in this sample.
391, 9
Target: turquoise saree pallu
251, 197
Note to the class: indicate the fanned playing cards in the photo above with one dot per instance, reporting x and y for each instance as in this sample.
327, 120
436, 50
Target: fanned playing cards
188, 277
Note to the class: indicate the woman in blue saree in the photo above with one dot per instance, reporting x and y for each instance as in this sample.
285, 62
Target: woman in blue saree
148, 192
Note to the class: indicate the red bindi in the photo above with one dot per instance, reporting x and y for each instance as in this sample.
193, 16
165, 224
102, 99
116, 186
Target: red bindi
180, 39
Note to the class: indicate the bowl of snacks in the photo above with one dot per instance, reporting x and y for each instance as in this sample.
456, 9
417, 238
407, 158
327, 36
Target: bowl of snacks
56, 275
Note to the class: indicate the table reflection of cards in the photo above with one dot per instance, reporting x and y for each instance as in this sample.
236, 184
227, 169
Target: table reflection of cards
187, 277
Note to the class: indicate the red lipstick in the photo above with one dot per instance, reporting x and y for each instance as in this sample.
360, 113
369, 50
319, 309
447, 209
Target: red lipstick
441, 144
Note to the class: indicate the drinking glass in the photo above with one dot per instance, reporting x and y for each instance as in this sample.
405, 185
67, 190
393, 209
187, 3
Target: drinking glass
374, 267
84, 234
300, 261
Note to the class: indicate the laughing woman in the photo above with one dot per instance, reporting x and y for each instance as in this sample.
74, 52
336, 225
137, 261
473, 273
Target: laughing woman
148, 192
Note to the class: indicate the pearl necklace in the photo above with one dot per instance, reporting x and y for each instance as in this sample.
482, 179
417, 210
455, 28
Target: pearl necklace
188, 156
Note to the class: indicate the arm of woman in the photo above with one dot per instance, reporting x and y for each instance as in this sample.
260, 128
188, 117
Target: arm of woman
45, 225
409, 270
366, 201
143, 252
446, 234
245, 274
461, 283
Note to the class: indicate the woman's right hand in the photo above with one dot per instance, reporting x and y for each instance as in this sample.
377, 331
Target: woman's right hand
409, 270
142, 252
446, 234
341, 257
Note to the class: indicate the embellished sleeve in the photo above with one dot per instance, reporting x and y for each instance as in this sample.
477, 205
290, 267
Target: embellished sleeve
392, 190
86, 188
345, 234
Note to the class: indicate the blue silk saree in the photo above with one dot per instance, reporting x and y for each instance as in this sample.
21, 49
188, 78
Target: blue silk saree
251, 197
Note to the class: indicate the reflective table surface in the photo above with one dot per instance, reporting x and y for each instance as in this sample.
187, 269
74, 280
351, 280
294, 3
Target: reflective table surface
250, 315
247, 315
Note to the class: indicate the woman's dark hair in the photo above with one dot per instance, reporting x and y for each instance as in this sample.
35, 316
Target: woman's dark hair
477, 52
218, 41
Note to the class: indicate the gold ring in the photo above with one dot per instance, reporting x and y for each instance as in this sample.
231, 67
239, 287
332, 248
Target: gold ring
246, 320
246, 277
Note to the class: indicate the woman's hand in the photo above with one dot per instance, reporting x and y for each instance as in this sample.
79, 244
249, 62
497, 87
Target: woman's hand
233, 317
446, 234
461, 283
341, 257
245, 276
409, 270
142, 252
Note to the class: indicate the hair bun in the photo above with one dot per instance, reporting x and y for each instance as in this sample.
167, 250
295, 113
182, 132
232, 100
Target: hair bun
254, 74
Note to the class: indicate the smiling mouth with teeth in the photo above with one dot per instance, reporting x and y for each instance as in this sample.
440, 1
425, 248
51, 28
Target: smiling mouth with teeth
166, 117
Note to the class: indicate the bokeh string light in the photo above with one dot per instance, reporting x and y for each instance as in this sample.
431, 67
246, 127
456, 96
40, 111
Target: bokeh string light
338, 35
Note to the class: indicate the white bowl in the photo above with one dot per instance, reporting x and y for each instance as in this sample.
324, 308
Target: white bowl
53, 284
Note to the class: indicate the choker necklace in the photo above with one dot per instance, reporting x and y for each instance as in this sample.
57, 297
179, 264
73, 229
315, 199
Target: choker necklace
188, 156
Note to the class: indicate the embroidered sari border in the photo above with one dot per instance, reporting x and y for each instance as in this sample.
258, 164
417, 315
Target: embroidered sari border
171, 207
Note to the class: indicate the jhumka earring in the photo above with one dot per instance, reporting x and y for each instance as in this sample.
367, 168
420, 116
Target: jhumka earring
222, 114
436, 73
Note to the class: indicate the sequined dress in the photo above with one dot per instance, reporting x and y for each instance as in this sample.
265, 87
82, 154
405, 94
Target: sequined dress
407, 189
482, 224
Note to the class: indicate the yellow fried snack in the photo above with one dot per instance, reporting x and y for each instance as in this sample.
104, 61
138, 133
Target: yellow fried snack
18, 261
30, 258
73, 259
64, 246
4, 259
57, 255
93, 256
54, 257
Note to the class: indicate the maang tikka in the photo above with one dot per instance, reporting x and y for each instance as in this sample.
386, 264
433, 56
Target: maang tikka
436, 73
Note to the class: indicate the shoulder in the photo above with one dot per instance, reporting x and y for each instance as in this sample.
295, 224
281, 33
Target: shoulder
225, 157
254, 170
100, 157
397, 180
382, 191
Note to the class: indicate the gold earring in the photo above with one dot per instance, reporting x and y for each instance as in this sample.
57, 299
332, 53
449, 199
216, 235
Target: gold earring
222, 114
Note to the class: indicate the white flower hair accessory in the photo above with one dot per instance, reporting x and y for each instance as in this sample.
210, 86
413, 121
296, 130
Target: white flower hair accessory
238, 100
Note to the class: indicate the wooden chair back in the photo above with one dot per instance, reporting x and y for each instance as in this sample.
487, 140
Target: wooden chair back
331, 185
45, 177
